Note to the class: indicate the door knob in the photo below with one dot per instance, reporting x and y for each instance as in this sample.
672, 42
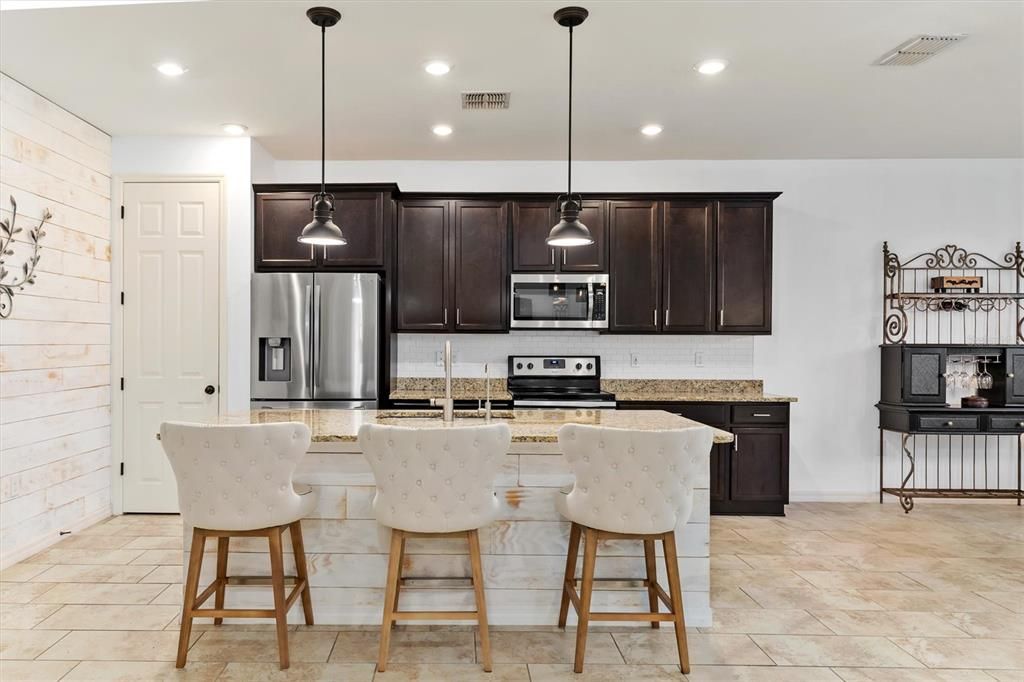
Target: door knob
209, 390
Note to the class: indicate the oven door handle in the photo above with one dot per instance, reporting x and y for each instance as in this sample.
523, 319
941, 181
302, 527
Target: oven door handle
566, 404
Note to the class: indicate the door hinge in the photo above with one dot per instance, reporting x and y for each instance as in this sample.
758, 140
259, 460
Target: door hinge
122, 468
122, 298
122, 383
122, 213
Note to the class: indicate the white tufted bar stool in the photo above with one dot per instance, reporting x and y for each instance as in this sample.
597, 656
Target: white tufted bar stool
434, 482
236, 481
630, 485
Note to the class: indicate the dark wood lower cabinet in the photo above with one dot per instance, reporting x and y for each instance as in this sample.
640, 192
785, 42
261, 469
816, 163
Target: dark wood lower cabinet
749, 476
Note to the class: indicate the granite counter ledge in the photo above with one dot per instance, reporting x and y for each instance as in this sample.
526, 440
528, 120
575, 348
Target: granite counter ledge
692, 391
524, 550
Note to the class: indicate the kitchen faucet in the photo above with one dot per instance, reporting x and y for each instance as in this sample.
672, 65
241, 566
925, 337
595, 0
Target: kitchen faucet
447, 404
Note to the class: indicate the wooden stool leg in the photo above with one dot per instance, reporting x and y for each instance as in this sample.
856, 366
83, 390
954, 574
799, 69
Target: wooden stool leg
586, 591
398, 579
652, 579
195, 565
277, 581
301, 571
570, 572
222, 574
390, 590
676, 595
481, 604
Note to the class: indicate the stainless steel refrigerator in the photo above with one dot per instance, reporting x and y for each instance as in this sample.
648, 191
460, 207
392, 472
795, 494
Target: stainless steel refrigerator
315, 339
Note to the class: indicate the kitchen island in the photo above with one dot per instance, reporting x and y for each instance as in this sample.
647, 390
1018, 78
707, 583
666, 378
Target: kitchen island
523, 551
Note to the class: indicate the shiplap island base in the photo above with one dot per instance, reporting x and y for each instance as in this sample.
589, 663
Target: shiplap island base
523, 551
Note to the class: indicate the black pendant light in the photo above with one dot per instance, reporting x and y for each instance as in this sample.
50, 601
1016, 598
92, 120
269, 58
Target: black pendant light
322, 231
570, 231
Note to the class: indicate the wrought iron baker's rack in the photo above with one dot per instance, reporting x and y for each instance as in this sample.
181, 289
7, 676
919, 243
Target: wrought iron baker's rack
977, 465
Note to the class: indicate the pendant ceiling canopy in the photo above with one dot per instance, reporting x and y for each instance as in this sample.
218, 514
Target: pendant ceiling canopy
570, 231
322, 231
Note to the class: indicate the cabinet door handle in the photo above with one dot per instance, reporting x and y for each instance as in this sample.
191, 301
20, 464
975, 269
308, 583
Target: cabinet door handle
736, 444
552, 256
458, 316
721, 317
1020, 425
762, 414
666, 316
949, 423
1009, 375
655, 317
446, 316
563, 256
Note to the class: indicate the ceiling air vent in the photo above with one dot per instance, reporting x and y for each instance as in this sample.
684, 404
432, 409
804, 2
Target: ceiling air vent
485, 100
918, 49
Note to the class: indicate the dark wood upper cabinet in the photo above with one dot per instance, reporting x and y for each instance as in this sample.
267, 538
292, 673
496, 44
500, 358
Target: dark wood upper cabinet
481, 274
361, 217
687, 266
421, 276
743, 260
279, 219
635, 296
593, 257
531, 223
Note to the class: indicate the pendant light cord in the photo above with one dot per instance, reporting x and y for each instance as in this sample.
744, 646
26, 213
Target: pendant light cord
569, 194
323, 108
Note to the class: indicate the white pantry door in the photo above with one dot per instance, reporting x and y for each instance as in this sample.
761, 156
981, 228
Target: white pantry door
171, 326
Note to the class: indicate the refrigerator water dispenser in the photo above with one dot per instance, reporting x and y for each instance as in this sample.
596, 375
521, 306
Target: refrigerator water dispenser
275, 358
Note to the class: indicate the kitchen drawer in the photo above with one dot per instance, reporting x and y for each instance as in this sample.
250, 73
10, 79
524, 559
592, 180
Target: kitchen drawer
945, 422
713, 415
760, 414
1013, 423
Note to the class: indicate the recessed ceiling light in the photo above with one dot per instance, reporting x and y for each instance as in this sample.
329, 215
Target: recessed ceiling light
171, 69
437, 68
234, 128
709, 67
442, 130
651, 129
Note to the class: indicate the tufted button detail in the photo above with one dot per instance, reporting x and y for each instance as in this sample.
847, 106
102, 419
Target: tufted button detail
266, 441
433, 498
586, 458
237, 445
391, 443
419, 482
266, 477
206, 444
433, 467
600, 444
447, 481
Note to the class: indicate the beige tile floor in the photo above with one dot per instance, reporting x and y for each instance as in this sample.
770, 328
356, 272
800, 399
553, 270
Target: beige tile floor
854, 592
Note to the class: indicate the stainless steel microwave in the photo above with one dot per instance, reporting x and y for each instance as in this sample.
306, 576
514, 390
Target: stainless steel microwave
559, 301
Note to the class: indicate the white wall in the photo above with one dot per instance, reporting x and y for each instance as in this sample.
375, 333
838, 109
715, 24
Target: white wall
55, 346
829, 226
230, 158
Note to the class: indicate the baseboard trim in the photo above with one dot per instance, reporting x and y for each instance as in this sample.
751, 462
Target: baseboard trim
39, 545
832, 496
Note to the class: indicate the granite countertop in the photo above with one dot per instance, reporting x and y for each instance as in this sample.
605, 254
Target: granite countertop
692, 391
425, 388
528, 426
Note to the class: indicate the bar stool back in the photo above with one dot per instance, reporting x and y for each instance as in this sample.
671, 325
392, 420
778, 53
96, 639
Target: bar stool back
630, 484
434, 481
236, 481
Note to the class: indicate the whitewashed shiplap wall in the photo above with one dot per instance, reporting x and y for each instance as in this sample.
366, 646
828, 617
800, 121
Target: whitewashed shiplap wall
55, 348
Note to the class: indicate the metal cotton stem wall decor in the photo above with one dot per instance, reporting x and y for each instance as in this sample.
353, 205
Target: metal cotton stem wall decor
7, 231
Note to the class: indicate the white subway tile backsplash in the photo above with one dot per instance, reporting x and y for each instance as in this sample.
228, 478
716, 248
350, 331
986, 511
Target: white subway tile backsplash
659, 357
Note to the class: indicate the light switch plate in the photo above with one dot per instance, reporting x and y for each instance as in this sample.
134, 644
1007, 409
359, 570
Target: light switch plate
698, 359
634, 359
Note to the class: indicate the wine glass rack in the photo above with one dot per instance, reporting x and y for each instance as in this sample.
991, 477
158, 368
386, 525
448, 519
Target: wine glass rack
944, 311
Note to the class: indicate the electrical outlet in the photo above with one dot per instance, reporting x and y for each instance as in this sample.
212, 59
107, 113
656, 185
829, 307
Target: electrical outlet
634, 359
698, 359
438, 358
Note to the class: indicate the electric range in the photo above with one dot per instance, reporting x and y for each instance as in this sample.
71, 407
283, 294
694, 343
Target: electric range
557, 381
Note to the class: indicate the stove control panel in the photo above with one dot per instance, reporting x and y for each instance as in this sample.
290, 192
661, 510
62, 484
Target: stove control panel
554, 366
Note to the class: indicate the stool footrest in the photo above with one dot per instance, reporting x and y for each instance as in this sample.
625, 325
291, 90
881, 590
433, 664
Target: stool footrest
434, 615
233, 613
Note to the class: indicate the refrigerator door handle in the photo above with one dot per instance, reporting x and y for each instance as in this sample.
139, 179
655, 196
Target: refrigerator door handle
315, 355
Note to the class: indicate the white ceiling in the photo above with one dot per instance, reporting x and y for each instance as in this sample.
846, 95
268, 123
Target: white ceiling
801, 83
